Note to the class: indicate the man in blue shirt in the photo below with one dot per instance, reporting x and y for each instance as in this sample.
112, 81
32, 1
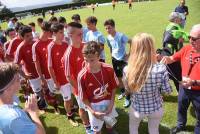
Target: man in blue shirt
183, 10
14, 120
94, 35
117, 43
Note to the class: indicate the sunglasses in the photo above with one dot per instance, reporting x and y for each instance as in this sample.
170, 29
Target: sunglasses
193, 38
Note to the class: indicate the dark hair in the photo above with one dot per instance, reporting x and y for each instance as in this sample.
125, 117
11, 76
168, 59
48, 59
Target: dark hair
24, 29
56, 27
53, 19
92, 19
75, 25
32, 24
46, 26
91, 47
14, 19
40, 20
62, 20
76, 17
18, 25
7, 73
110, 22
9, 30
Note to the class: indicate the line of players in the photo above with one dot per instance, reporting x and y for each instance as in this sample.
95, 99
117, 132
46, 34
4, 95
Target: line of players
70, 59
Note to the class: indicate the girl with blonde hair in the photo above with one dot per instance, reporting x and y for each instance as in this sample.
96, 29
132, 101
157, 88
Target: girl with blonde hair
146, 80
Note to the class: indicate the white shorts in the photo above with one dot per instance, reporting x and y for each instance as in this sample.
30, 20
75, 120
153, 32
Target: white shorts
97, 124
66, 91
35, 84
80, 103
50, 85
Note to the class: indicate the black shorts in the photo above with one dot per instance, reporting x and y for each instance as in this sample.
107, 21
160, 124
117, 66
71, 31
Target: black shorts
118, 66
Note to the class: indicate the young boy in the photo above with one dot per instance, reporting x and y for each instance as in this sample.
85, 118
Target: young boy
97, 84
94, 35
117, 43
39, 51
56, 50
14, 43
73, 63
35, 34
23, 57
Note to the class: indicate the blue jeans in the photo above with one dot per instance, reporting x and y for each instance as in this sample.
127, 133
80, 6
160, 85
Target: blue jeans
186, 96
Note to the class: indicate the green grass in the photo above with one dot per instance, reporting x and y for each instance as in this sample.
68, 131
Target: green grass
150, 17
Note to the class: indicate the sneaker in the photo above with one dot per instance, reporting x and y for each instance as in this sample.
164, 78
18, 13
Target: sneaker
177, 129
121, 96
127, 103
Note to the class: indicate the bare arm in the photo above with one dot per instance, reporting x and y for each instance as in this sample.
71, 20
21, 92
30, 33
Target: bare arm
167, 60
38, 69
53, 76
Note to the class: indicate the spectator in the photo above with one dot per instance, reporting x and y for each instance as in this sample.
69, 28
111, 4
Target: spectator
183, 10
12, 22
189, 56
13, 119
146, 80
173, 39
40, 21
34, 33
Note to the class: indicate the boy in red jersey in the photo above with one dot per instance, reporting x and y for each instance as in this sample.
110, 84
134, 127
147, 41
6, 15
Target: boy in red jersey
56, 50
73, 63
14, 43
11, 34
39, 51
97, 83
23, 57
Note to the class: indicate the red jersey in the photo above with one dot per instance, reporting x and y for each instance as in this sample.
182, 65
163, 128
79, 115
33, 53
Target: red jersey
55, 55
73, 63
24, 55
1, 54
12, 47
6, 45
97, 86
184, 56
39, 51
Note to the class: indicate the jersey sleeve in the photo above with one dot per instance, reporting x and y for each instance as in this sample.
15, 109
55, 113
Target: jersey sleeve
34, 52
49, 55
18, 55
101, 39
81, 85
23, 126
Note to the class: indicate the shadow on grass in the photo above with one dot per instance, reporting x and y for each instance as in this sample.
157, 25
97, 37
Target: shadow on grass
170, 98
50, 129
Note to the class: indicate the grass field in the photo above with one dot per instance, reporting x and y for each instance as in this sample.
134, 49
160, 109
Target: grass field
150, 17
